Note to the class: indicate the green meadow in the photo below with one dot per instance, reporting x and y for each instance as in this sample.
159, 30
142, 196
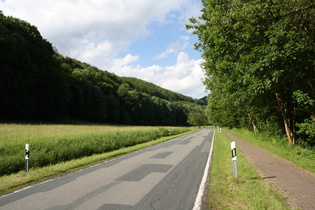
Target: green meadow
51, 144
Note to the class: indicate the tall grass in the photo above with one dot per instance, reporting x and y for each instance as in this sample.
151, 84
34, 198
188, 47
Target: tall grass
246, 192
51, 144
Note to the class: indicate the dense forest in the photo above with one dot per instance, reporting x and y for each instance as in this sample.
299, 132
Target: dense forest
260, 65
37, 83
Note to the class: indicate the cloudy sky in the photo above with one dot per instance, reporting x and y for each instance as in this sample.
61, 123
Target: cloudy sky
145, 39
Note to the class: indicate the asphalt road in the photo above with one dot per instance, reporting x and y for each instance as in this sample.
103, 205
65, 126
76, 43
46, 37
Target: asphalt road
164, 176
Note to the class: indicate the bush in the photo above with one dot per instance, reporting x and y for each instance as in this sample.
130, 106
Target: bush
307, 132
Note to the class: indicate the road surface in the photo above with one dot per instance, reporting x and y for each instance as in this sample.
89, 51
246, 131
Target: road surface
164, 176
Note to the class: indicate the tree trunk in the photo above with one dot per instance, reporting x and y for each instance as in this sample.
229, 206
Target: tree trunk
288, 123
253, 123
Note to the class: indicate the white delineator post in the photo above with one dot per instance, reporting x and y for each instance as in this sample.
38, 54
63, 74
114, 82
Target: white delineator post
27, 155
233, 150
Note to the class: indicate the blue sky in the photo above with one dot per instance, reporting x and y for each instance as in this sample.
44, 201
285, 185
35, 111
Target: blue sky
145, 39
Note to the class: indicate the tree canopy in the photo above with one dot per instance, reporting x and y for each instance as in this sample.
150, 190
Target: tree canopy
260, 66
37, 83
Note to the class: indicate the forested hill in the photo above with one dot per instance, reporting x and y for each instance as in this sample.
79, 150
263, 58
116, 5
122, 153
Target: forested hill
154, 90
37, 83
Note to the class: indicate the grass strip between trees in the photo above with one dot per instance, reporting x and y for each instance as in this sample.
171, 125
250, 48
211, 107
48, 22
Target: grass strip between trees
38, 174
246, 192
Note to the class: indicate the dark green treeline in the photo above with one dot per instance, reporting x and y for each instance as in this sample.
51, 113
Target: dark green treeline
37, 83
260, 65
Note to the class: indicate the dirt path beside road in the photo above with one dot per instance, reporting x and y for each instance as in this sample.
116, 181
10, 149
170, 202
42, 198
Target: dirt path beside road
290, 180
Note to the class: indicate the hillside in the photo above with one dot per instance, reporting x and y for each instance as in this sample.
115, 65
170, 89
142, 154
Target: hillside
37, 83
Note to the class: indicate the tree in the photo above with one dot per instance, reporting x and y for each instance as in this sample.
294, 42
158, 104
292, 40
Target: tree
197, 119
33, 85
258, 57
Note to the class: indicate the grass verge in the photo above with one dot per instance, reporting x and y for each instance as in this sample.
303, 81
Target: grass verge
35, 175
303, 157
246, 192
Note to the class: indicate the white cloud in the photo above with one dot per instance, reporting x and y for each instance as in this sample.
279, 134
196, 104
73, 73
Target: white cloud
94, 53
120, 65
183, 77
64, 22
174, 48
98, 31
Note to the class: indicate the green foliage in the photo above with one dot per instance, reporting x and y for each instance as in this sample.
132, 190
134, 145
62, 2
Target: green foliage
32, 85
37, 83
259, 62
197, 118
307, 132
154, 90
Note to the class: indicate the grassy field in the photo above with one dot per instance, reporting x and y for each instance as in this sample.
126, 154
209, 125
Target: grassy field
246, 192
51, 144
37, 174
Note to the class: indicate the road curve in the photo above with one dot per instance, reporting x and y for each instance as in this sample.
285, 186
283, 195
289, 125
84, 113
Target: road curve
164, 176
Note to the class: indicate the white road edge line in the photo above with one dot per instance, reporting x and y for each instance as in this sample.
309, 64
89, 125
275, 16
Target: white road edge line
198, 202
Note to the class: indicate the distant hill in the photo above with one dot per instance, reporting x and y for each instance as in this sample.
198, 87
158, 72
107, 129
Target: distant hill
204, 100
37, 83
154, 90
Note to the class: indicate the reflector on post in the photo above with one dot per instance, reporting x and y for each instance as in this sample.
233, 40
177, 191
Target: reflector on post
27, 155
233, 150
